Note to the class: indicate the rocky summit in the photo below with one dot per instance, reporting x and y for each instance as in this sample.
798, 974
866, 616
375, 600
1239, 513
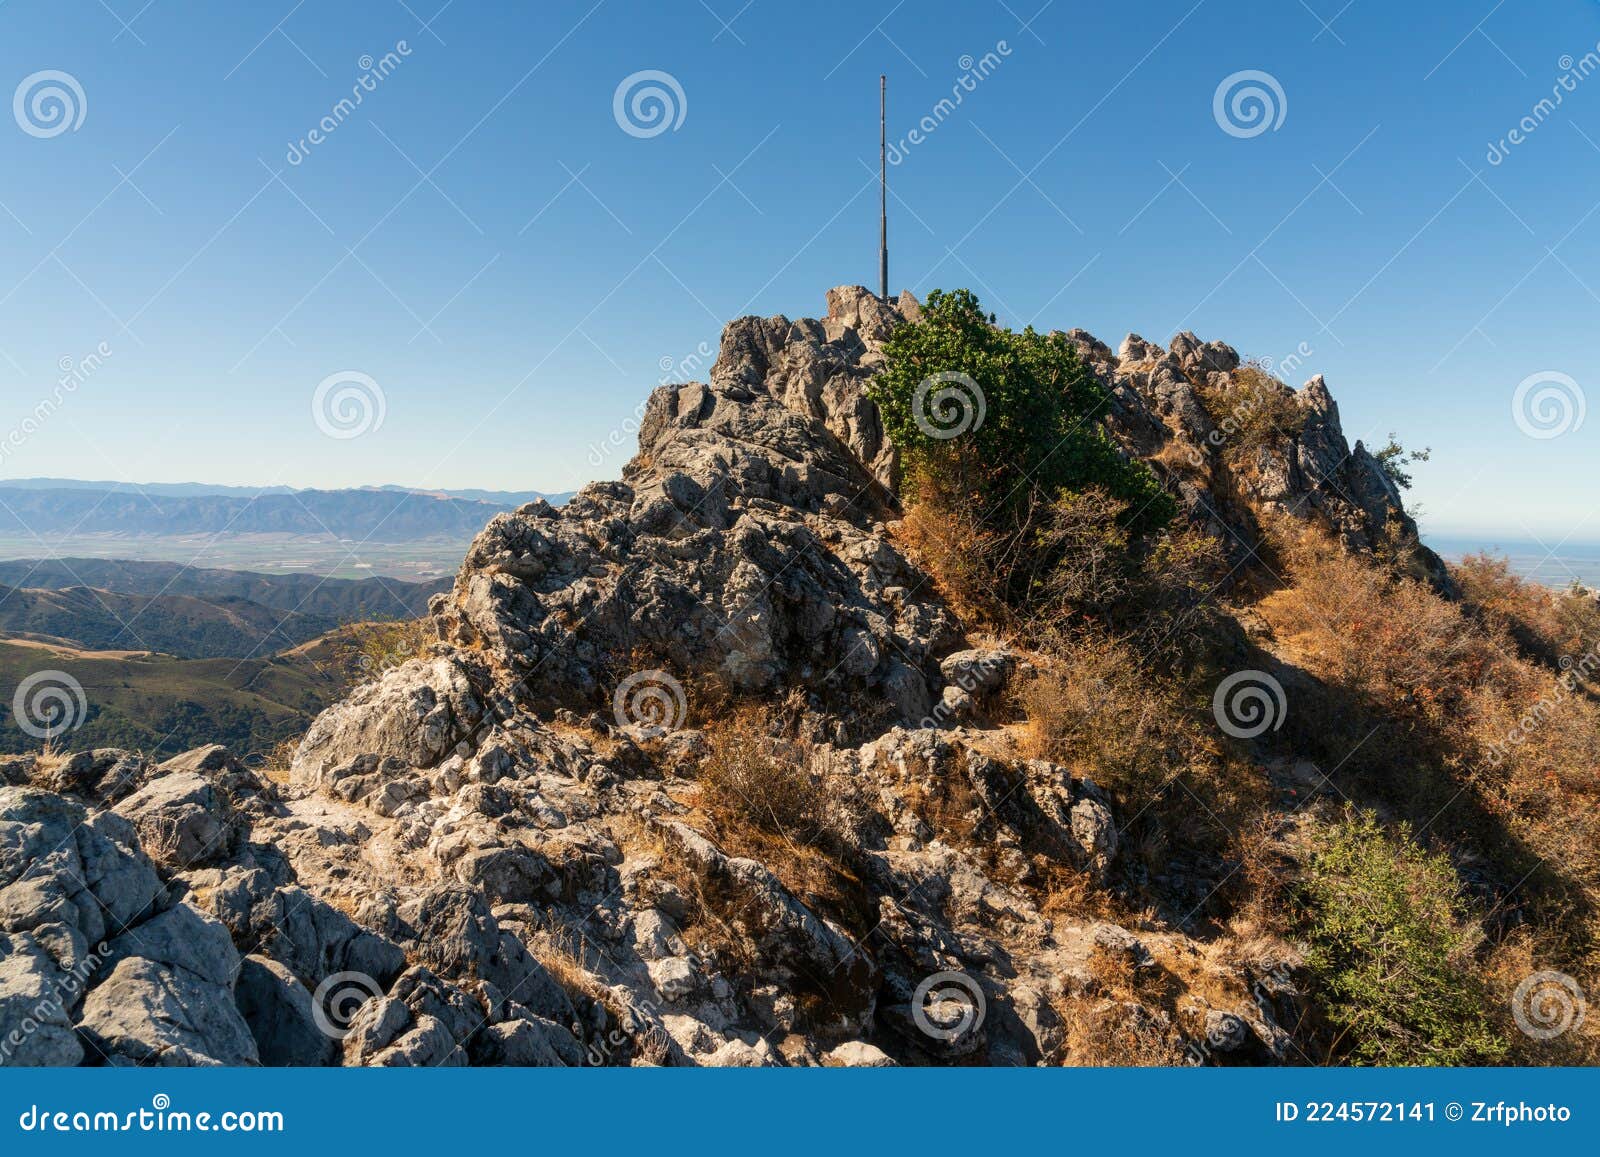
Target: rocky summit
500, 851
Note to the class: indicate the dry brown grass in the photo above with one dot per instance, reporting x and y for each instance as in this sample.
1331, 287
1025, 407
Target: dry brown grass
1476, 741
1252, 411
276, 767
757, 797
1112, 1034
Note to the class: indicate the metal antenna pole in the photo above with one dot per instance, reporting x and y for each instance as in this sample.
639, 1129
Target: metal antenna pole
883, 190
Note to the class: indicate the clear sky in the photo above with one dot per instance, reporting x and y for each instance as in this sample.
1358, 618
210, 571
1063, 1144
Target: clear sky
484, 240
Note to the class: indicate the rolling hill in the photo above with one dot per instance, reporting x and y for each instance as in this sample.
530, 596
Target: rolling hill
189, 612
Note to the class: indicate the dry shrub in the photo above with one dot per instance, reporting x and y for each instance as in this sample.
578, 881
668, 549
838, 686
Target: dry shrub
1546, 624
947, 539
368, 650
752, 777
280, 759
1112, 1034
1474, 740
562, 955
759, 799
1098, 711
1392, 641
1251, 411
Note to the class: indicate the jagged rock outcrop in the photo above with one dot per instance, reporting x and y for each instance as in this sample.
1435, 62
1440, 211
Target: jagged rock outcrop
492, 853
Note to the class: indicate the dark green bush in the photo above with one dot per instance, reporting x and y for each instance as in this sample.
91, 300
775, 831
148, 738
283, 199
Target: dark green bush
1040, 432
1391, 941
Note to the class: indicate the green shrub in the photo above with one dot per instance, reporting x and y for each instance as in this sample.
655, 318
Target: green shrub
1392, 943
1040, 431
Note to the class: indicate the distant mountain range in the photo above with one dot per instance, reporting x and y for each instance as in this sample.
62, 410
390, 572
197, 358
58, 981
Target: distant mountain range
188, 612
358, 515
508, 498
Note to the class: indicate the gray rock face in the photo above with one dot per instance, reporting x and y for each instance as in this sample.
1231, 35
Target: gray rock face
183, 820
740, 545
34, 1006
493, 855
148, 1014
1313, 473
414, 715
278, 1010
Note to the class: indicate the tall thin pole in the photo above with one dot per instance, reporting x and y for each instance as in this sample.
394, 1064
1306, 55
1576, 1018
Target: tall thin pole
883, 189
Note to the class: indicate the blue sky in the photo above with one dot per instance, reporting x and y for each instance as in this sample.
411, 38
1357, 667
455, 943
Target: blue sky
483, 240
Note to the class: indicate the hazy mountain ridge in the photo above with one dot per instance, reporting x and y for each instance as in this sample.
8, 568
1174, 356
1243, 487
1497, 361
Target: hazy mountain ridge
349, 600
356, 515
165, 705
208, 489
189, 612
